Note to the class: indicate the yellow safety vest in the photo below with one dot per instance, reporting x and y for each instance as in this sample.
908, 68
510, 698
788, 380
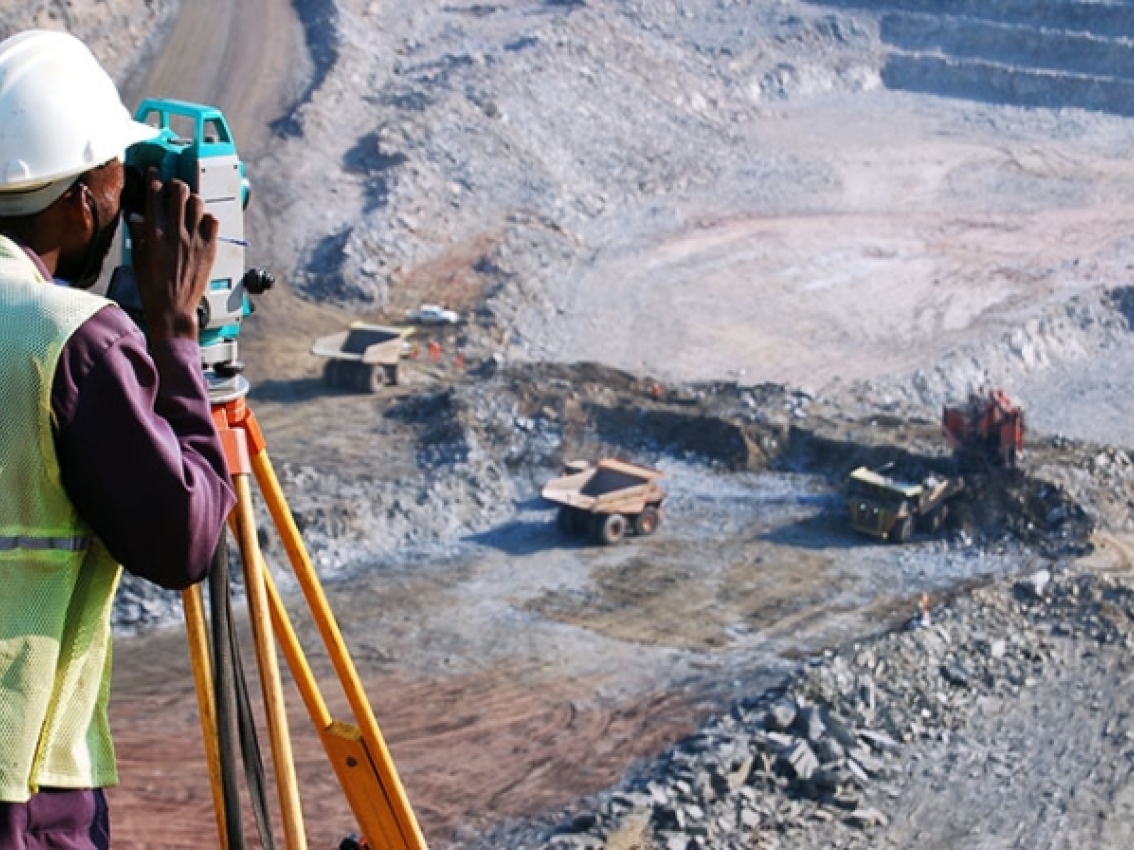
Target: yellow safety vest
57, 581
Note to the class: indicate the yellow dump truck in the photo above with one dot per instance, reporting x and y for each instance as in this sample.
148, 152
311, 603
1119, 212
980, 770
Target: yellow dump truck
889, 509
364, 357
605, 500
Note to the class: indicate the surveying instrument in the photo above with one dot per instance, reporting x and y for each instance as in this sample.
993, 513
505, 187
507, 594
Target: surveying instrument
196, 146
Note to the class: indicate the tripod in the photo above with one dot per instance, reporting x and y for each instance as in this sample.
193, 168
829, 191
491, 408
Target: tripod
357, 751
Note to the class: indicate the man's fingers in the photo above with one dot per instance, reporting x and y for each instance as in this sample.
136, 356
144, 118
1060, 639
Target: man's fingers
152, 199
195, 215
209, 227
176, 203
171, 208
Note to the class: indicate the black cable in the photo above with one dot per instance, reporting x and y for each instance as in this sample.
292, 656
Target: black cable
250, 750
224, 691
239, 705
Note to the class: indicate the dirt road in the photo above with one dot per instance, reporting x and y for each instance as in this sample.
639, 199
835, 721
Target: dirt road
246, 58
250, 60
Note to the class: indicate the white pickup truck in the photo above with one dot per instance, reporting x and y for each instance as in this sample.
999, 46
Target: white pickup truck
433, 314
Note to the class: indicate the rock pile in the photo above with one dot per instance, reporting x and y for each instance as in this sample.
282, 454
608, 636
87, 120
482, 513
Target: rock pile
822, 759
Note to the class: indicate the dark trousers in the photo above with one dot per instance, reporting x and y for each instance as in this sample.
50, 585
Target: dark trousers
56, 819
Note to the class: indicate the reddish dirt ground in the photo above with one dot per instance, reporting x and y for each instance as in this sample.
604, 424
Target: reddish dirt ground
526, 744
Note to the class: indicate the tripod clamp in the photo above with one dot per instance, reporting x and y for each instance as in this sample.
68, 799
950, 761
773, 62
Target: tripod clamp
225, 383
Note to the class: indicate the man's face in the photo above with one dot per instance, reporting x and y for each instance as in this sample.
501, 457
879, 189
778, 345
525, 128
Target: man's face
101, 192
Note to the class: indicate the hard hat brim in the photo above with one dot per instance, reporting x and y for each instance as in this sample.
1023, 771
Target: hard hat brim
33, 198
137, 132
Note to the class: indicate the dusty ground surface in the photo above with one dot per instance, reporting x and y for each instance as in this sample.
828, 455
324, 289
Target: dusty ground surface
725, 199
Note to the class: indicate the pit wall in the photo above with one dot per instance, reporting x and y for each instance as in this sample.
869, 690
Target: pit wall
1114, 20
1048, 54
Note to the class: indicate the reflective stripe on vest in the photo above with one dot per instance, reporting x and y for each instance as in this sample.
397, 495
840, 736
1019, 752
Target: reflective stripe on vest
45, 544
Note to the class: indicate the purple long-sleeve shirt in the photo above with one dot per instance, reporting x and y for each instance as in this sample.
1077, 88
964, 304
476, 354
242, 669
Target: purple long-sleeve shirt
139, 454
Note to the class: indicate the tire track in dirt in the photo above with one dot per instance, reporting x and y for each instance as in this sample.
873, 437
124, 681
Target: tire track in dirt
1113, 555
238, 56
471, 750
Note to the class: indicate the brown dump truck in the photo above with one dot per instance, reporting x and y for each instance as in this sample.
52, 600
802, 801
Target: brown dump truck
364, 357
605, 500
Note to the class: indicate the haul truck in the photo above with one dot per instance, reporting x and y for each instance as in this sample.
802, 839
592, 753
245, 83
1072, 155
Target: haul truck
888, 509
364, 357
606, 500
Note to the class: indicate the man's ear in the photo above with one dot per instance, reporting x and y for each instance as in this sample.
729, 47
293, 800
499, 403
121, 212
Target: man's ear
74, 205
66, 224
74, 216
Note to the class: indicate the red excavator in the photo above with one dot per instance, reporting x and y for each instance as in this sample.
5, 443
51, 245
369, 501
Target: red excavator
987, 428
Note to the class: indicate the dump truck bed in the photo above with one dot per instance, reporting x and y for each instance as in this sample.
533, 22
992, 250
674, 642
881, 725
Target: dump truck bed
363, 357
364, 343
610, 486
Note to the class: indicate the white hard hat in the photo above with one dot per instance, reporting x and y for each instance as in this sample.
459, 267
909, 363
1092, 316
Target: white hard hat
60, 115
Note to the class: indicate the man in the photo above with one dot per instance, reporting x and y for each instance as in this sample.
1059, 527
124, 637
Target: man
108, 453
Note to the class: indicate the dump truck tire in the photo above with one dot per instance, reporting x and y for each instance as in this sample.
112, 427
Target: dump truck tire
903, 530
331, 373
936, 520
368, 379
608, 528
571, 521
646, 523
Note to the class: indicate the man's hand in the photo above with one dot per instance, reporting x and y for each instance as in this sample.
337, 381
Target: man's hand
173, 250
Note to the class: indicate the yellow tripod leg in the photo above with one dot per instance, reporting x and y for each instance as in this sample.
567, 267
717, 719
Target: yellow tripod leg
357, 774
360, 756
206, 703
287, 786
